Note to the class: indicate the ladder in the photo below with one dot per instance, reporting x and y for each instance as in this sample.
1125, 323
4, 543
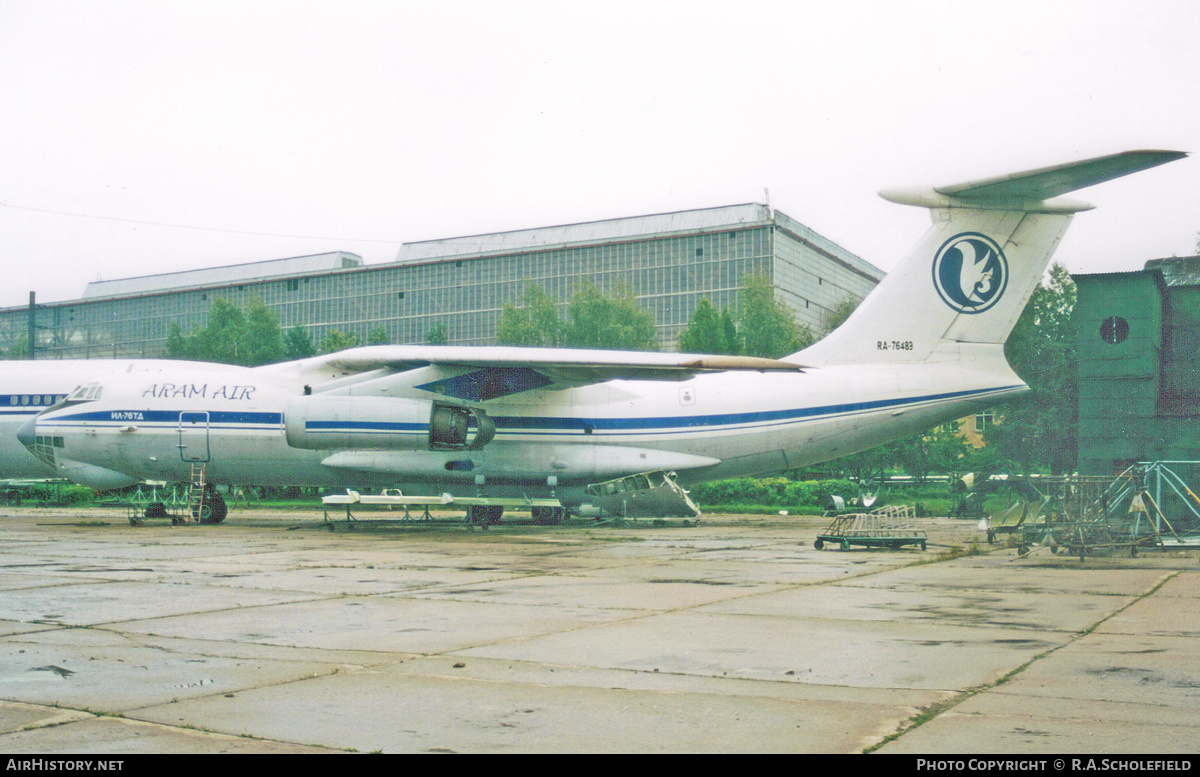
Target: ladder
196, 493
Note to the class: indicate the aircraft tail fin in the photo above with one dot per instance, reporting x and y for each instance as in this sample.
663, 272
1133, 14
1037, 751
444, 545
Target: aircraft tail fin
970, 276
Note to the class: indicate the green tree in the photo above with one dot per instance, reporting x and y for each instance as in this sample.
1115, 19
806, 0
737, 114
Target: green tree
536, 324
19, 348
1038, 430
733, 338
710, 331
231, 336
298, 344
378, 336
437, 335
216, 341
263, 341
596, 320
768, 327
937, 450
840, 313
867, 466
337, 340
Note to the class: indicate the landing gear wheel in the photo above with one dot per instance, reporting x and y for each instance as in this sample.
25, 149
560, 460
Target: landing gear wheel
819, 544
548, 516
484, 515
213, 510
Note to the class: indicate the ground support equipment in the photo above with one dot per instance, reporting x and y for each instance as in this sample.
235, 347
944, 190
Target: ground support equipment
481, 512
870, 530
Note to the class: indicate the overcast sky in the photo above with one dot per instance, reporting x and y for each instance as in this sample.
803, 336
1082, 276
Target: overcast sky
148, 137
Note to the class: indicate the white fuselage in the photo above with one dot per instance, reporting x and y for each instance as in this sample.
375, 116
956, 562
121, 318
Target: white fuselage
158, 424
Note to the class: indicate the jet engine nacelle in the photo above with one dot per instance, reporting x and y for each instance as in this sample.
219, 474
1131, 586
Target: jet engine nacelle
381, 423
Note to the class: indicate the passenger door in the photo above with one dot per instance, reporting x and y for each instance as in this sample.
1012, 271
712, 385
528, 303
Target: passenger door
193, 437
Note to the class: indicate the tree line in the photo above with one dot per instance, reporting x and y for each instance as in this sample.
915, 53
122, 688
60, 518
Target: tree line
761, 326
253, 336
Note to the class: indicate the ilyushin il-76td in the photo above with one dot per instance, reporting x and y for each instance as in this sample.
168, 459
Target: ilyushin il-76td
563, 426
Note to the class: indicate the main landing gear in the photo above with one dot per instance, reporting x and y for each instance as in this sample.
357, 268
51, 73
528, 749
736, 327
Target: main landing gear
484, 516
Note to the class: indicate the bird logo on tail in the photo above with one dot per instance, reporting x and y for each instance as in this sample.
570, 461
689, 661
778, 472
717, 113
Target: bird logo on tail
970, 272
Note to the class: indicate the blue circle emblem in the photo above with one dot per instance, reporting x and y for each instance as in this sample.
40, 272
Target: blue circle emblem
970, 272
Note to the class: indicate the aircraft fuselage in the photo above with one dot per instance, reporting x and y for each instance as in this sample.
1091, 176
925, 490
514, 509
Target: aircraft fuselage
158, 425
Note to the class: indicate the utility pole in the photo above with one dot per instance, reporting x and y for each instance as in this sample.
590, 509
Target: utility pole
32, 324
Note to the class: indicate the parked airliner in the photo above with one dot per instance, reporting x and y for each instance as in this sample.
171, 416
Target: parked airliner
926, 345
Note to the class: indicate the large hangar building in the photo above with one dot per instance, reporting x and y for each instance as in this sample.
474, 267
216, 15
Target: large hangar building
669, 261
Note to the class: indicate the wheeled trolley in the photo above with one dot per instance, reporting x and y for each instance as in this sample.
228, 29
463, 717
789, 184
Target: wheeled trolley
869, 530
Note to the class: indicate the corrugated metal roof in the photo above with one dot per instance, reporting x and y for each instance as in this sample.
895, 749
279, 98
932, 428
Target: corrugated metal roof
587, 232
1178, 270
221, 276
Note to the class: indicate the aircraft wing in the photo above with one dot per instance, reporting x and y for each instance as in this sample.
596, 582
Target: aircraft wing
478, 373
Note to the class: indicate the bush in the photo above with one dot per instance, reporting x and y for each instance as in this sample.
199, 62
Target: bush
777, 491
74, 495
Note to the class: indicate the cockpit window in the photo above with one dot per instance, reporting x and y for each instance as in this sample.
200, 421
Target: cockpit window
86, 393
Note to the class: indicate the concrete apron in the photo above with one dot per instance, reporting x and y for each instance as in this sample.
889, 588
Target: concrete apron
271, 634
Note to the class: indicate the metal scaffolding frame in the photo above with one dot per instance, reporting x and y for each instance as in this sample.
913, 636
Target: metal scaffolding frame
1084, 515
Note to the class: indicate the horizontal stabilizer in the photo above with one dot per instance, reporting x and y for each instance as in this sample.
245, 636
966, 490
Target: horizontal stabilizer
1033, 191
1047, 182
